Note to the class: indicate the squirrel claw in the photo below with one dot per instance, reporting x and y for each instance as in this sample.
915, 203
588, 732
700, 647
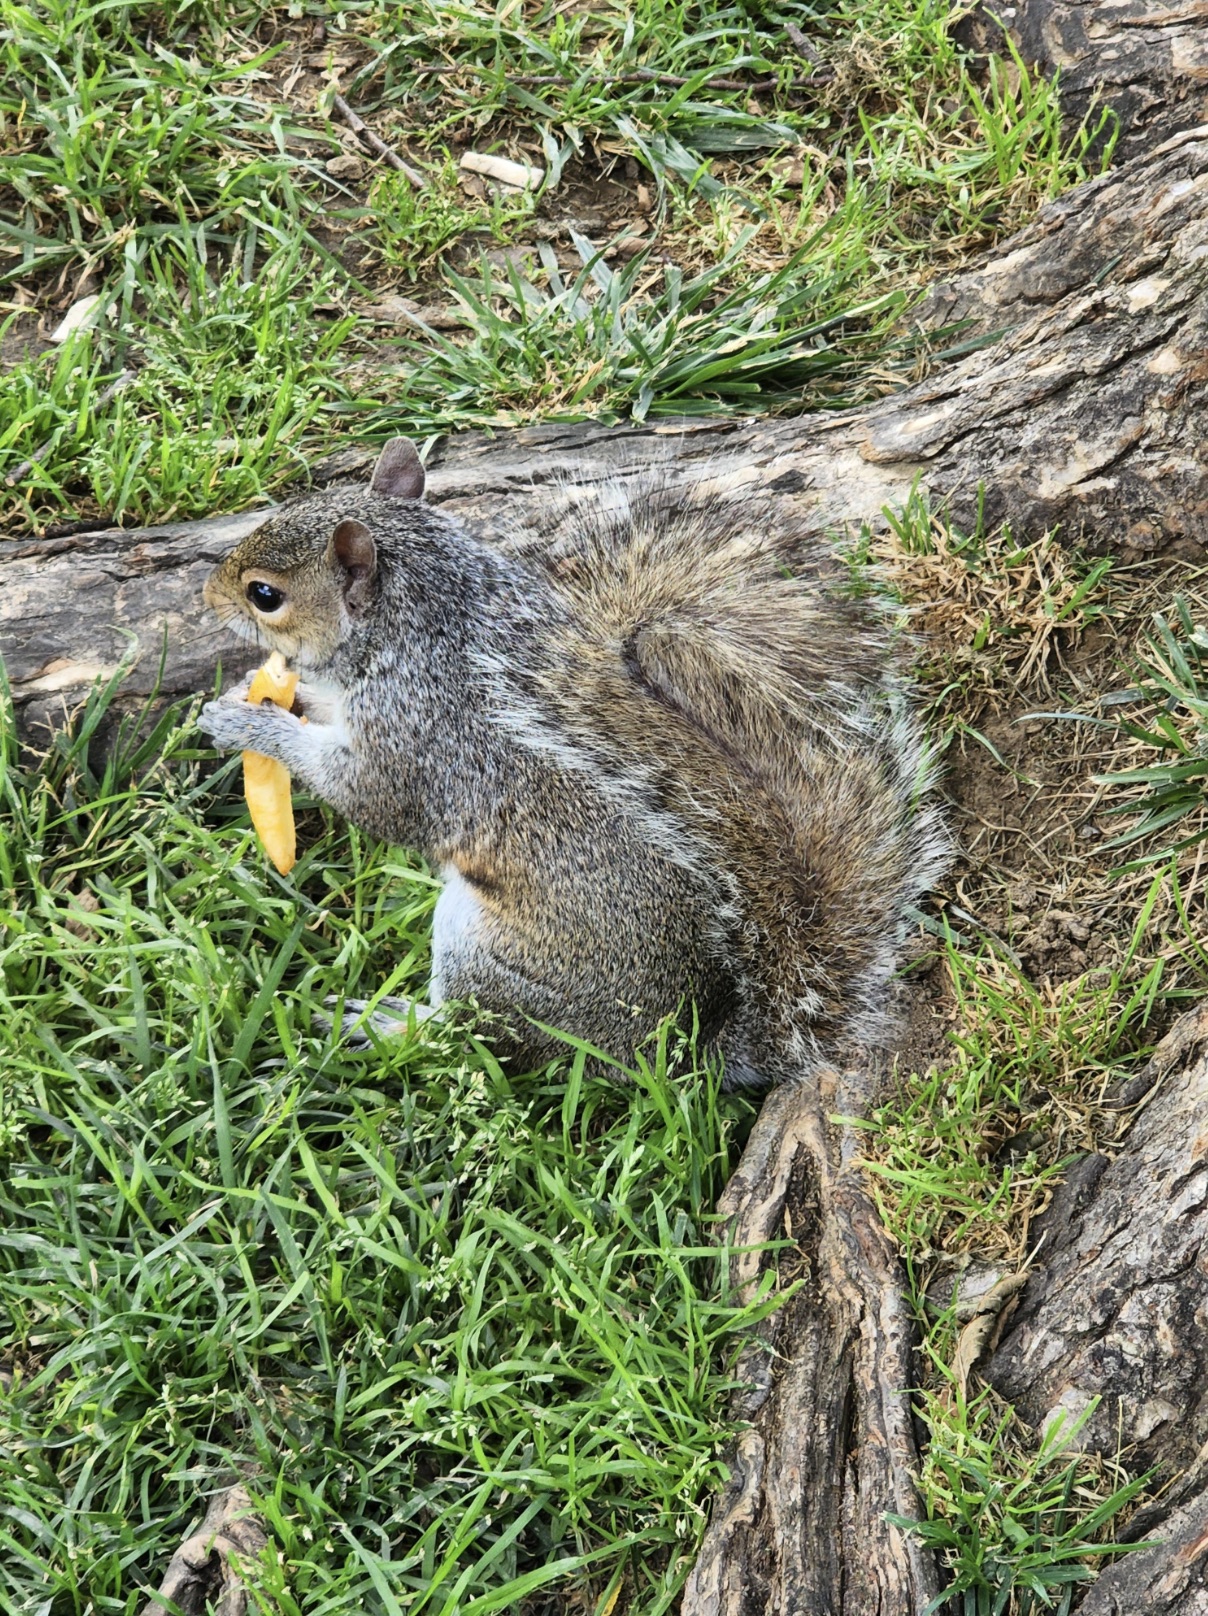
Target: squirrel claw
235, 725
361, 1031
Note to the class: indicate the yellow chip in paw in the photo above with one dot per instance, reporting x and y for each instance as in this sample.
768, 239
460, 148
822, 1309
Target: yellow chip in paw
265, 781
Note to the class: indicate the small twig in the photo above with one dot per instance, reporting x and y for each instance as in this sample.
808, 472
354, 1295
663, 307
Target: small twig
800, 43
375, 143
13, 477
638, 76
519, 176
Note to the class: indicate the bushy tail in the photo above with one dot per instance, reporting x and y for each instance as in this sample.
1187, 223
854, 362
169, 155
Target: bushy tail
717, 654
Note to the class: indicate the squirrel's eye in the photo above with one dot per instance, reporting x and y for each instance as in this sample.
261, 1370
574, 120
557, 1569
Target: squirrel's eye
263, 596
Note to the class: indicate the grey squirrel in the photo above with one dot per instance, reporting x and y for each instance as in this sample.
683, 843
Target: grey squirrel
662, 760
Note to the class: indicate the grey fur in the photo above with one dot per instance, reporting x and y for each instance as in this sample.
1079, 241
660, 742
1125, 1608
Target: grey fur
660, 757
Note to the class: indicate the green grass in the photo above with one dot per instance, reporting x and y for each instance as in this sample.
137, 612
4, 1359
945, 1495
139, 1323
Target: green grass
446, 66
226, 382
413, 228
1165, 798
964, 1153
689, 346
1021, 1527
464, 1334
587, 65
123, 129
144, 144
999, 608
962, 1158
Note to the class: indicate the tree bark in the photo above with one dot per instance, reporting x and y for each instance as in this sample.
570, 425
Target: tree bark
1086, 407
800, 1526
1116, 1311
1145, 59
1170, 1579
1116, 1307
203, 1575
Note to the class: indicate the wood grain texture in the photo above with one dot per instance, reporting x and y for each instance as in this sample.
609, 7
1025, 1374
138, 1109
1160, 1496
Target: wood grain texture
203, 1574
1171, 1579
1117, 1305
800, 1529
1146, 59
1116, 1311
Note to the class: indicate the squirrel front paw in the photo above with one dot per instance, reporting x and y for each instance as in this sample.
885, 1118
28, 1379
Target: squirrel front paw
236, 725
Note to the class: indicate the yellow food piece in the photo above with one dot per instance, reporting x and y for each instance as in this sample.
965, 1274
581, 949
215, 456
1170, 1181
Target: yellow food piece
265, 781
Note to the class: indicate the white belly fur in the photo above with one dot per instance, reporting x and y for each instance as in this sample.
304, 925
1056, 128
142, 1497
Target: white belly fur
458, 915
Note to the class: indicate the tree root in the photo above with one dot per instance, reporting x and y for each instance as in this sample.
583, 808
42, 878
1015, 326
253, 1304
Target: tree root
201, 1575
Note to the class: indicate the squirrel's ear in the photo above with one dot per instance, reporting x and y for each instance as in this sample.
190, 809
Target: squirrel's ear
399, 473
354, 553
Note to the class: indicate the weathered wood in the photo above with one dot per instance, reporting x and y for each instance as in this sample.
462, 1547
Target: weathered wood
202, 1574
1170, 1579
800, 1530
1116, 1307
1114, 1313
71, 608
1146, 59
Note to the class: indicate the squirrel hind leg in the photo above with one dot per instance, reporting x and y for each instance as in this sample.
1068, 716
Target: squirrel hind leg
740, 1073
363, 1021
752, 1061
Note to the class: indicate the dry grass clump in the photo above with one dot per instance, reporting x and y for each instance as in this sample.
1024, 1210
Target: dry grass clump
996, 613
1069, 694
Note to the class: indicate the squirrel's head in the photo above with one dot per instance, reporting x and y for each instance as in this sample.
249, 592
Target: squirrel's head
304, 579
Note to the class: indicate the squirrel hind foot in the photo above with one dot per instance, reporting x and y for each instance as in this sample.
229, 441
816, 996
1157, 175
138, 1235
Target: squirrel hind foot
364, 1021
